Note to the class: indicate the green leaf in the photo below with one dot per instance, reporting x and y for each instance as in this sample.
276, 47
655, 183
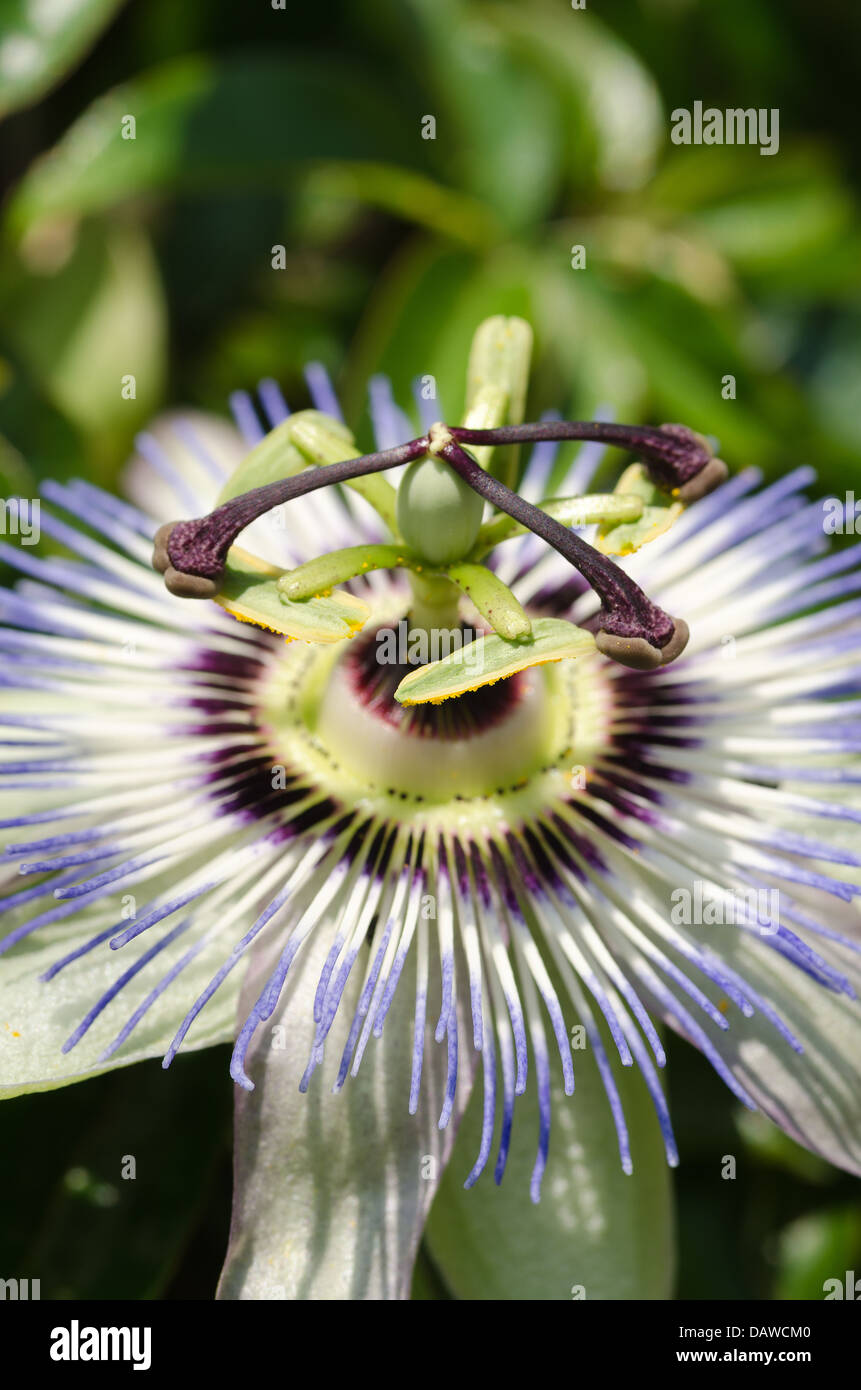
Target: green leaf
202, 125
332, 1190
774, 226
814, 1253
492, 658
453, 291
611, 102
36, 431
250, 592
91, 1225
410, 196
41, 42
427, 1284
658, 513
473, 80
85, 327
595, 1228
669, 350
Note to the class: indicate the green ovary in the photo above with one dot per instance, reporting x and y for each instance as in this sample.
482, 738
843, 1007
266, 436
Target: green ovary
438, 514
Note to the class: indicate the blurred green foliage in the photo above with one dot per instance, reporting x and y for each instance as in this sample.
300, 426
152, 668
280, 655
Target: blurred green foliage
303, 127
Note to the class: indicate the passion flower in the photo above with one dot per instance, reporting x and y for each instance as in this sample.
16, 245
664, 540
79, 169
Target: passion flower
515, 854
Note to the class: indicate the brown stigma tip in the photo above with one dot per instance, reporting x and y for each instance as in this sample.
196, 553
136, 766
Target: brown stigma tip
189, 585
677, 643
710, 476
638, 653
635, 652
160, 557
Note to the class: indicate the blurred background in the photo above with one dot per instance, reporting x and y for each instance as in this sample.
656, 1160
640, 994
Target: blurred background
305, 128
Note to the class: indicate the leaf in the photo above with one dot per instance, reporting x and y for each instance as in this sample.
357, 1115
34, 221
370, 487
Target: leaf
787, 224
475, 80
42, 41
491, 658
771, 227
595, 1228
90, 1223
611, 101
658, 515
427, 1284
412, 197
250, 592
332, 1190
814, 1253
660, 343
86, 328
201, 124
452, 290
36, 431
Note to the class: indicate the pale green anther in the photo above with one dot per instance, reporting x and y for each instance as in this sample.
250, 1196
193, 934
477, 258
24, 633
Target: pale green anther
611, 508
309, 436
249, 590
275, 457
496, 383
438, 514
319, 576
658, 513
487, 412
492, 658
493, 599
323, 439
